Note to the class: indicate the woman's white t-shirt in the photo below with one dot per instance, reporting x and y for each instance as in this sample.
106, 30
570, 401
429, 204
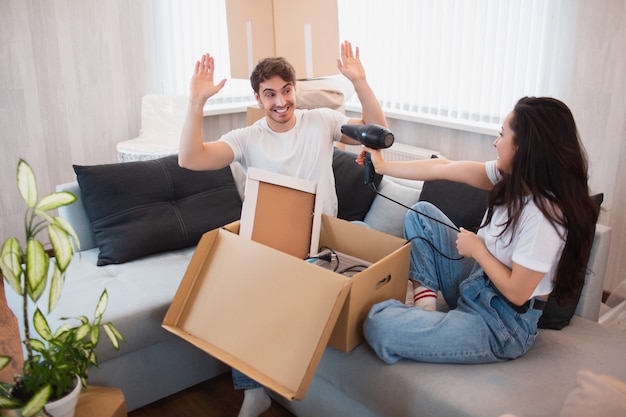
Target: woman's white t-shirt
536, 245
304, 152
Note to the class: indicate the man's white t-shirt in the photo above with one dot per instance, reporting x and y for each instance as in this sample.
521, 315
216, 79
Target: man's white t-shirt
304, 152
536, 245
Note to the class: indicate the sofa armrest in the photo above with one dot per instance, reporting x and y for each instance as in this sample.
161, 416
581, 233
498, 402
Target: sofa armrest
76, 215
591, 297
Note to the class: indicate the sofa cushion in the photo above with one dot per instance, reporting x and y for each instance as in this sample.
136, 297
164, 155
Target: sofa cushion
145, 207
387, 215
417, 388
463, 204
354, 197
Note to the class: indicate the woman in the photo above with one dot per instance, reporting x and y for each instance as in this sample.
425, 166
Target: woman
538, 224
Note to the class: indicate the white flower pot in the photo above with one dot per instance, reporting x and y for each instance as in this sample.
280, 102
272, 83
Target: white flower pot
65, 407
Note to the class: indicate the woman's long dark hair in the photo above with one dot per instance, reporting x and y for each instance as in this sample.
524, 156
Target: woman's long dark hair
550, 164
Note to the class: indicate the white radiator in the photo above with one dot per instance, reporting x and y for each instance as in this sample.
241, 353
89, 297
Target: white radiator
399, 152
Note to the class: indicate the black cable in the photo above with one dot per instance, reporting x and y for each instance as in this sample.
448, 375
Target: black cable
333, 255
453, 227
353, 268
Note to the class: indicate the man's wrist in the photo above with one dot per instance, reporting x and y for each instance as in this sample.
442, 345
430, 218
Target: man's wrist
197, 101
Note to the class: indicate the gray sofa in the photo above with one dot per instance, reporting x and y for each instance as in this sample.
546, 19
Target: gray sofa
537, 384
153, 363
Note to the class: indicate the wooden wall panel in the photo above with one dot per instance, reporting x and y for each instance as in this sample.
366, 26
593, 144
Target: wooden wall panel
72, 75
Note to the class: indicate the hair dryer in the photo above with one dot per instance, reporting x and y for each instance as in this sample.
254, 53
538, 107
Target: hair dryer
372, 136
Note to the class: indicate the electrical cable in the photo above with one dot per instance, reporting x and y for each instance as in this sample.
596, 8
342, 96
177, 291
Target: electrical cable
353, 268
450, 226
333, 255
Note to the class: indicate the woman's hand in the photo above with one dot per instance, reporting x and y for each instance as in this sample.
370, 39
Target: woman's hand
202, 86
375, 155
469, 244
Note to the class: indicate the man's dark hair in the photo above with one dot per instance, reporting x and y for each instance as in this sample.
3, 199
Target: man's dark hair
270, 67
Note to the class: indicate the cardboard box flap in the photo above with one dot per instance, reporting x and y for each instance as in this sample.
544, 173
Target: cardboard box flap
282, 212
266, 314
368, 244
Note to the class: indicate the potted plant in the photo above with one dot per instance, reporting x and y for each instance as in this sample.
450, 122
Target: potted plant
56, 361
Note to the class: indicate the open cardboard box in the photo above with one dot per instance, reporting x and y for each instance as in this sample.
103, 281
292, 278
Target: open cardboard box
270, 314
386, 278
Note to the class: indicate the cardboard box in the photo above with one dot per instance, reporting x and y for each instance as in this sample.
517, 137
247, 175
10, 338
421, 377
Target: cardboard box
270, 314
282, 212
263, 312
101, 402
304, 32
254, 113
386, 278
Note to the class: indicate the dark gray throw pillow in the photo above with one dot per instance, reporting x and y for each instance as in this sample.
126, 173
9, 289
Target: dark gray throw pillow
354, 197
463, 204
145, 207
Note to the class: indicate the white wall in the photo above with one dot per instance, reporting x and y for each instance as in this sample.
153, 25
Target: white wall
72, 74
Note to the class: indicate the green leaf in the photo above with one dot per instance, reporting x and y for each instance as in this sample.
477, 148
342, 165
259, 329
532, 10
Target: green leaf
38, 345
4, 361
95, 335
56, 200
9, 403
116, 332
113, 335
45, 216
37, 402
11, 264
26, 183
102, 304
41, 325
37, 261
62, 246
82, 331
62, 329
69, 230
56, 285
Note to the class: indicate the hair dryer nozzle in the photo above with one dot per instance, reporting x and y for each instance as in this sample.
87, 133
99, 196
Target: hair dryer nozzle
372, 136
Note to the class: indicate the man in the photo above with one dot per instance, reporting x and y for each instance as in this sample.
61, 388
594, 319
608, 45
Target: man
287, 141
293, 142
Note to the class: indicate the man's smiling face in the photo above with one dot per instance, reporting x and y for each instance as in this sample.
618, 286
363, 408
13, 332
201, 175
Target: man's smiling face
278, 98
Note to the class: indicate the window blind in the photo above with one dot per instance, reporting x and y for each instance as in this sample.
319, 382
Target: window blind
465, 61
459, 62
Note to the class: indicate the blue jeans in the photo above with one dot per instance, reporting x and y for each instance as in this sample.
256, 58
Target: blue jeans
241, 381
480, 327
